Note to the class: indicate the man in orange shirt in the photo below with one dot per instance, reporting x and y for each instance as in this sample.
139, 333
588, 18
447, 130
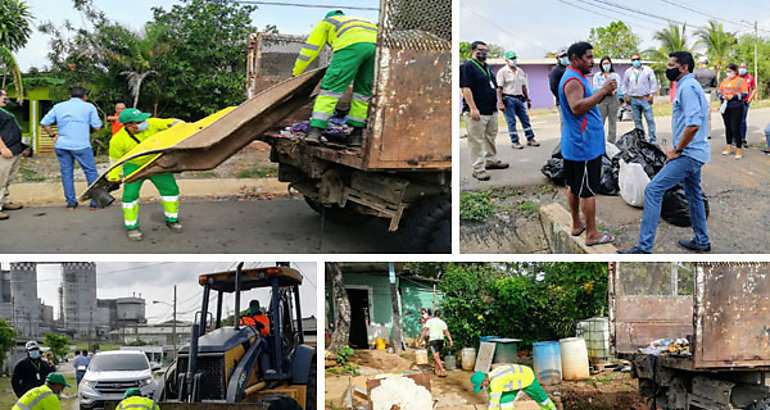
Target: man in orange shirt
116, 125
257, 318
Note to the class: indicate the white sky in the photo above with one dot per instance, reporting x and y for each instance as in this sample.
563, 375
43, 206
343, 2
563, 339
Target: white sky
156, 280
533, 28
135, 13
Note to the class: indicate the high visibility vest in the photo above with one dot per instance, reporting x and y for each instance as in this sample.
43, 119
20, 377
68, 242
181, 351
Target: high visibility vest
508, 378
121, 143
252, 321
733, 86
39, 398
337, 31
137, 402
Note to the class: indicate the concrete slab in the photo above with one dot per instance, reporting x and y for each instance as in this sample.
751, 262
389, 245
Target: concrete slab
557, 225
484, 357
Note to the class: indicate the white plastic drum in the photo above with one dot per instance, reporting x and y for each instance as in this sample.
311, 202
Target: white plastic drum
468, 358
574, 358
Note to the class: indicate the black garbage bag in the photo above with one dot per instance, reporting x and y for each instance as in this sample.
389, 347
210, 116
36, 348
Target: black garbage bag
676, 209
554, 170
608, 184
556, 153
635, 149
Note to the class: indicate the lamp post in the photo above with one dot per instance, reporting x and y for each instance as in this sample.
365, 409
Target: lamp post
173, 328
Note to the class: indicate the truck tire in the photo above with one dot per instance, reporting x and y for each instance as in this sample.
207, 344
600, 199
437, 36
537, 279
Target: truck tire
427, 225
338, 215
312, 387
280, 402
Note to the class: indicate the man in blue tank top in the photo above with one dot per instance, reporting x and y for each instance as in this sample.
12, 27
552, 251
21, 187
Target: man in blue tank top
582, 140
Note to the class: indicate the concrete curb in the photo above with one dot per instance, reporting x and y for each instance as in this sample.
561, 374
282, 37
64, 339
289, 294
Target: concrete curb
557, 225
51, 193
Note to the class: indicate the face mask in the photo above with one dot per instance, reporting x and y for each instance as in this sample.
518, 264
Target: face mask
564, 61
34, 354
512, 63
481, 55
58, 395
742, 71
672, 74
253, 310
143, 126
6, 100
606, 67
730, 74
636, 63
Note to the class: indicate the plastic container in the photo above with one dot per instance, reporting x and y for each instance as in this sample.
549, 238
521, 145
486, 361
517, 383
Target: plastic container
468, 355
596, 332
380, 343
450, 362
506, 350
421, 356
547, 362
487, 338
574, 358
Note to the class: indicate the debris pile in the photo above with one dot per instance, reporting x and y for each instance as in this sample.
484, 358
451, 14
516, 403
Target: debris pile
668, 347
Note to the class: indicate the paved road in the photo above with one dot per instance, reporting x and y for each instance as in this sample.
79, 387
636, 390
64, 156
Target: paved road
737, 190
230, 226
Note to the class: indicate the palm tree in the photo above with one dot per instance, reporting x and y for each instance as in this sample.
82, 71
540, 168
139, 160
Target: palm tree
718, 44
15, 19
671, 39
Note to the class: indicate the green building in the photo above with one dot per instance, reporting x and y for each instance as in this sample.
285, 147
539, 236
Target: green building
371, 304
37, 102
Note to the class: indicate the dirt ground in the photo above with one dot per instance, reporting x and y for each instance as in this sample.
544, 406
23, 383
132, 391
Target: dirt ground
253, 161
609, 390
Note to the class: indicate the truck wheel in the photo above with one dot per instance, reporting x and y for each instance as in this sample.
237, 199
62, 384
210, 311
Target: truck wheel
336, 214
312, 386
427, 225
280, 402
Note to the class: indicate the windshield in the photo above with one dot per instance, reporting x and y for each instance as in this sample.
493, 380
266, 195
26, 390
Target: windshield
119, 362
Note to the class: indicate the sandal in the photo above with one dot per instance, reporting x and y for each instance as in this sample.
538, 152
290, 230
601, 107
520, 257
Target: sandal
606, 238
443, 374
579, 232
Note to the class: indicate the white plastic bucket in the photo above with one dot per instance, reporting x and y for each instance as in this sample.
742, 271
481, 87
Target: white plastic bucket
421, 356
468, 358
574, 358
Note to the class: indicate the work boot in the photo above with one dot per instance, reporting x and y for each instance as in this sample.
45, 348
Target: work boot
691, 245
10, 206
633, 250
356, 138
174, 226
516, 145
481, 175
738, 154
3, 216
496, 164
314, 135
134, 234
533, 143
728, 150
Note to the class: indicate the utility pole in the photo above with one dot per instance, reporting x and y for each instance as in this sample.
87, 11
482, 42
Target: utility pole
756, 56
173, 328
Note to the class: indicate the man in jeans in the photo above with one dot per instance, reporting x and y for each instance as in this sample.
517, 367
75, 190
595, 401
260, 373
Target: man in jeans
512, 94
689, 125
74, 118
639, 87
479, 89
11, 148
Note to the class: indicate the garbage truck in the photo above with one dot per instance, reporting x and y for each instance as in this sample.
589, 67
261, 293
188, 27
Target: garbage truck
697, 334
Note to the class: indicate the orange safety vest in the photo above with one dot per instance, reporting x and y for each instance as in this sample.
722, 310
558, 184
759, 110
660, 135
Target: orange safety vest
733, 86
253, 320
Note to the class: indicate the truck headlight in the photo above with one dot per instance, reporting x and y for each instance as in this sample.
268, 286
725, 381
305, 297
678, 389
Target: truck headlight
146, 382
88, 383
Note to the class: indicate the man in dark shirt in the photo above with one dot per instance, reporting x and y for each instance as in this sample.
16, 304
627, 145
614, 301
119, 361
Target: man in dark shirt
479, 89
708, 81
554, 77
29, 372
10, 154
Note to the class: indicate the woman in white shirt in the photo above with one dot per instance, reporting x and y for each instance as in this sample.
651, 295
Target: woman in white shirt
608, 107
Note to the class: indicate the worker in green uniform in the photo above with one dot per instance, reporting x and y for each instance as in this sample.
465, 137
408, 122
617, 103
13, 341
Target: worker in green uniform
504, 383
352, 40
138, 126
45, 397
132, 398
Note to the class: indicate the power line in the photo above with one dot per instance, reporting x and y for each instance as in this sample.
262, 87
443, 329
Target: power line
494, 25
720, 20
309, 6
612, 17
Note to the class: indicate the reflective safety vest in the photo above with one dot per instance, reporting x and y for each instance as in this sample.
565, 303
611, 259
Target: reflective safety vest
252, 321
122, 142
733, 86
508, 378
137, 402
39, 398
337, 31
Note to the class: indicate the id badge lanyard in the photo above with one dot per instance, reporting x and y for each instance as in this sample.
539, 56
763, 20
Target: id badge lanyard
487, 72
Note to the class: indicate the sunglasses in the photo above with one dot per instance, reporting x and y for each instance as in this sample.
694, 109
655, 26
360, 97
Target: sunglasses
635, 59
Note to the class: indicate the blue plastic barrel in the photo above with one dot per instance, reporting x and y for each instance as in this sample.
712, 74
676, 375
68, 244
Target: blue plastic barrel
547, 358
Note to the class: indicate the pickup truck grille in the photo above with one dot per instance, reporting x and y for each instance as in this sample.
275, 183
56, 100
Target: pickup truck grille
115, 387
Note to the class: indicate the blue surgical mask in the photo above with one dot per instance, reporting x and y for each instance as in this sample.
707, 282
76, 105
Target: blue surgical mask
143, 126
34, 354
730, 74
564, 61
606, 67
512, 63
742, 71
636, 63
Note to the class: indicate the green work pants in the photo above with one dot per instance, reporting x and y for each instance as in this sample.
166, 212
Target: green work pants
169, 197
535, 391
354, 63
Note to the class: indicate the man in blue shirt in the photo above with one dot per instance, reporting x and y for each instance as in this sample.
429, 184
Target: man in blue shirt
81, 364
74, 118
689, 125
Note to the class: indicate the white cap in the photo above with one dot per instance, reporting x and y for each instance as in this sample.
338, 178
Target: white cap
31, 345
561, 52
703, 60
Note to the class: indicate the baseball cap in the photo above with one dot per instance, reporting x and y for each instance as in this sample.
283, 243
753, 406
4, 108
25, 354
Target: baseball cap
56, 378
31, 345
510, 55
476, 379
132, 115
703, 60
334, 13
561, 52
132, 392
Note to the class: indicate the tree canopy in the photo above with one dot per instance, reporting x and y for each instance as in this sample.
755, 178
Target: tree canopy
617, 40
